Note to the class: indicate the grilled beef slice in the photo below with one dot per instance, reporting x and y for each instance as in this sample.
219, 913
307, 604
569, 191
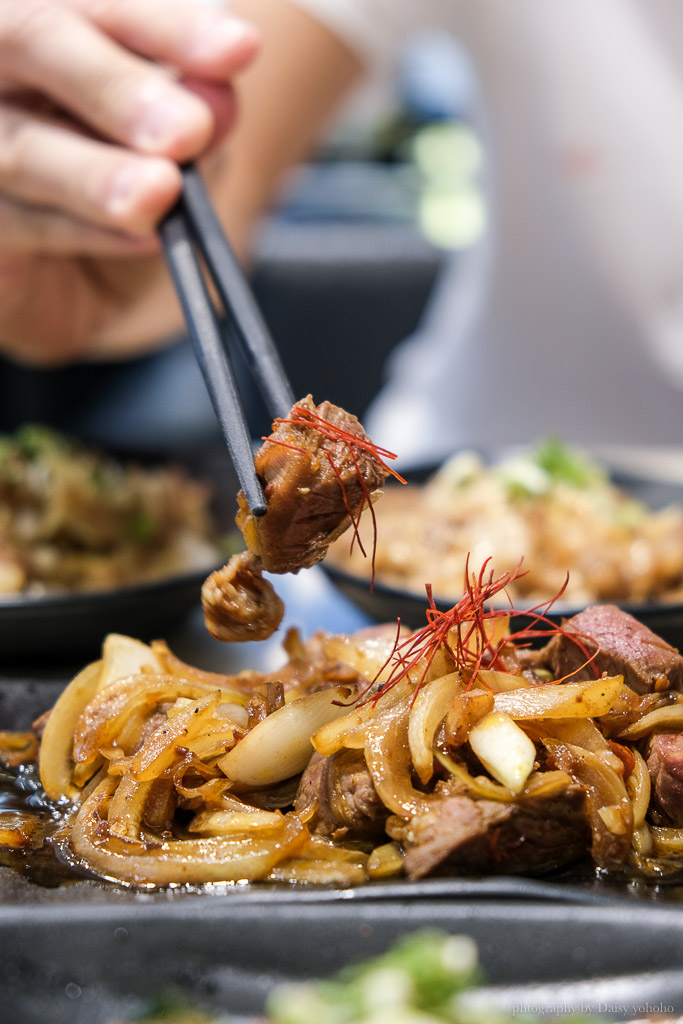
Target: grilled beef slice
665, 764
340, 791
624, 646
487, 836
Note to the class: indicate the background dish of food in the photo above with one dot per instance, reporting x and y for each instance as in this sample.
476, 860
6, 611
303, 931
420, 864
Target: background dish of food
92, 542
76, 519
395, 593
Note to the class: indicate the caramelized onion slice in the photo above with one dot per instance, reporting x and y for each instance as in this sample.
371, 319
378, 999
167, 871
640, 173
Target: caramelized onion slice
56, 762
662, 719
385, 861
280, 746
319, 862
501, 681
387, 755
667, 840
350, 729
560, 700
161, 750
429, 710
478, 786
639, 787
247, 820
369, 653
117, 715
177, 861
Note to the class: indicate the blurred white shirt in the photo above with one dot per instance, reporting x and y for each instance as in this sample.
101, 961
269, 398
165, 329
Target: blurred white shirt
568, 317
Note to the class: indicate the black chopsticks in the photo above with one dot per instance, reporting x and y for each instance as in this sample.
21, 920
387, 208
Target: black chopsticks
190, 228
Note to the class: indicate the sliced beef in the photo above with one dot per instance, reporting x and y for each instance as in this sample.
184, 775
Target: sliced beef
487, 836
665, 764
624, 646
238, 603
312, 482
340, 793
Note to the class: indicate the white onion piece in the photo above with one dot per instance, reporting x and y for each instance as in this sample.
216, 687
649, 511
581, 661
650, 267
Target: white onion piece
493, 679
429, 710
124, 656
504, 750
560, 700
56, 748
280, 746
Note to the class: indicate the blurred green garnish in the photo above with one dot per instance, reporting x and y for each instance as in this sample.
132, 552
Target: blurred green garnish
420, 975
565, 464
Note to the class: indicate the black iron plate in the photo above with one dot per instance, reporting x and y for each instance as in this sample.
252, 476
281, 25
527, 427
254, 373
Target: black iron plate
100, 968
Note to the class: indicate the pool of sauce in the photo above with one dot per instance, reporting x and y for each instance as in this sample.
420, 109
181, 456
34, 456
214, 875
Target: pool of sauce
35, 827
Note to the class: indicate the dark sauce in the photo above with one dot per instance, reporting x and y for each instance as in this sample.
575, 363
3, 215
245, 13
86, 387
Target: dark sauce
37, 826
43, 857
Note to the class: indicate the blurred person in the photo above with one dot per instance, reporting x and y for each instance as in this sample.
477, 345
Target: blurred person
567, 317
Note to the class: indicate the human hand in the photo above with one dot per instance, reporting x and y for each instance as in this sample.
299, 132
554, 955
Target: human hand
99, 101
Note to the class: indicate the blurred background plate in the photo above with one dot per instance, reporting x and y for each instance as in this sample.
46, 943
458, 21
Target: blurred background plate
67, 625
99, 967
61, 626
386, 603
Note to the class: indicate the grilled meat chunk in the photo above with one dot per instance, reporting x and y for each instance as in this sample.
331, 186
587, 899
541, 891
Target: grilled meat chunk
621, 645
340, 792
239, 604
315, 478
665, 764
461, 834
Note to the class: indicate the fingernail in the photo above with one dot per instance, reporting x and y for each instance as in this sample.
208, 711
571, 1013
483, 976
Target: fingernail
217, 34
166, 116
127, 184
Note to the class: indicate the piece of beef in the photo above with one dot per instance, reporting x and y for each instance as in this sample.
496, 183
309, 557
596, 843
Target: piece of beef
339, 791
488, 836
665, 764
238, 603
313, 478
624, 646
264, 703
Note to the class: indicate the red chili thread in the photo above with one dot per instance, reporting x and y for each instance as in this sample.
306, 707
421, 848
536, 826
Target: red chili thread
467, 618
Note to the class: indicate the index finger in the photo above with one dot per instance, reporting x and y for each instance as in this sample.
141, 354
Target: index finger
53, 49
198, 39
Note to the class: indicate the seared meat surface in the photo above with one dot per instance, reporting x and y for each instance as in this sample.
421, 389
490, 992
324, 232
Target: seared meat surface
316, 478
621, 645
456, 833
665, 765
319, 471
239, 604
340, 792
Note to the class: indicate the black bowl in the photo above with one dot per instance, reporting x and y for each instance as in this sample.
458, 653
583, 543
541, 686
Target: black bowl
64, 626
